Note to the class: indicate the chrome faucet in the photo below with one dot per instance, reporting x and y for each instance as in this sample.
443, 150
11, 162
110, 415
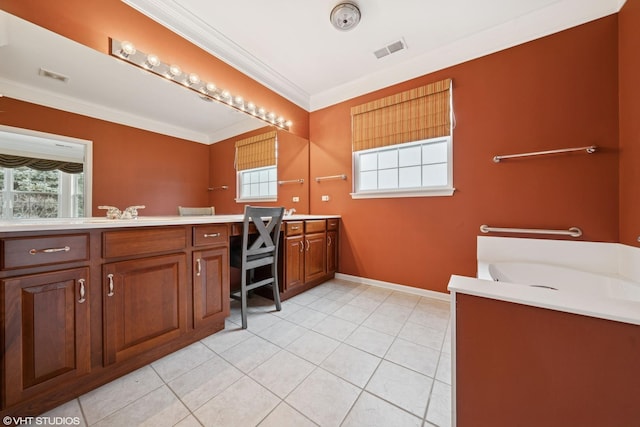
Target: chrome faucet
132, 212
129, 213
112, 212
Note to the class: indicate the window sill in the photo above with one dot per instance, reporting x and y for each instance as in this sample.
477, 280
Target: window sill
400, 193
257, 199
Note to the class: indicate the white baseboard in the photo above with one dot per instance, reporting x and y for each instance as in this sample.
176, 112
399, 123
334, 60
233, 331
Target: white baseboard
395, 287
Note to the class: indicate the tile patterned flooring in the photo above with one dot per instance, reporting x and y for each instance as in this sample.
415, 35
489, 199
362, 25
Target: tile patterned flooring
341, 354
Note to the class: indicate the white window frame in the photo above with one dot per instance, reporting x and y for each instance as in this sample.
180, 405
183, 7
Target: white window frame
67, 190
421, 191
240, 176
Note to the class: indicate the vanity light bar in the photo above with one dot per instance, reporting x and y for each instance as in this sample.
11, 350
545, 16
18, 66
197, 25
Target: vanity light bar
150, 62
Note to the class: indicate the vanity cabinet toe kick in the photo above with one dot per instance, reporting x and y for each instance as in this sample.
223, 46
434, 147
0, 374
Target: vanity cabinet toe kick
81, 307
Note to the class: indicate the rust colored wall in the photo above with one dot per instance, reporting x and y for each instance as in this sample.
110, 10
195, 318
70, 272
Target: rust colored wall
556, 92
629, 70
130, 166
293, 163
527, 366
93, 22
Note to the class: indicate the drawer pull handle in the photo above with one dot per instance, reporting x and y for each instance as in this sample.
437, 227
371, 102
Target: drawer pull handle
49, 250
301, 246
295, 228
110, 277
308, 244
329, 241
198, 267
82, 292
212, 235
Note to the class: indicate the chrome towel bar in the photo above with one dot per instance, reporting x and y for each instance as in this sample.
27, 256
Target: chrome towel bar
573, 231
292, 181
324, 178
590, 149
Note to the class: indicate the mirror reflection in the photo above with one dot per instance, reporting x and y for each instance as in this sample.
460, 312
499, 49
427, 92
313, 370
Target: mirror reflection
40, 67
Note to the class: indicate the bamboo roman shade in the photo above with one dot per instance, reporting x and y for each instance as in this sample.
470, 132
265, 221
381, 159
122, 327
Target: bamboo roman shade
257, 151
9, 161
420, 113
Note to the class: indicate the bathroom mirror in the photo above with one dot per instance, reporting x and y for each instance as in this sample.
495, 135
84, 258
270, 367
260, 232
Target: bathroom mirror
43, 68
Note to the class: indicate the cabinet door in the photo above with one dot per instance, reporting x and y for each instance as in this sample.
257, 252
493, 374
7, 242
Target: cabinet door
294, 262
315, 256
145, 304
210, 286
46, 331
332, 252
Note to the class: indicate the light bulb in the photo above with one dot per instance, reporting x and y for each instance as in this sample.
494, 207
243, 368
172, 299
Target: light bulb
152, 61
211, 87
239, 100
288, 123
174, 71
127, 49
194, 79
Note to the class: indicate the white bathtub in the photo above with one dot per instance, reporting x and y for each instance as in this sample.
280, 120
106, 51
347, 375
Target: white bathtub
587, 278
562, 279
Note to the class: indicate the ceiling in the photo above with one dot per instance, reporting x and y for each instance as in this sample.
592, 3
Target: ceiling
291, 47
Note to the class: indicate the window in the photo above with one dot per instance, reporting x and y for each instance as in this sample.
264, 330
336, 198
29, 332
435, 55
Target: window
258, 183
409, 169
29, 193
43, 175
256, 166
402, 144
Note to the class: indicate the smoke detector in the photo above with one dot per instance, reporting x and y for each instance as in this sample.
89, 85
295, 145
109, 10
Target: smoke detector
345, 16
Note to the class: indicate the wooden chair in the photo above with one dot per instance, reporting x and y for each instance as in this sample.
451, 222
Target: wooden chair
210, 210
258, 249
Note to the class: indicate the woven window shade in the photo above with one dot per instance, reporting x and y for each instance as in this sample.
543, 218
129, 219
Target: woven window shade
256, 152
9, 161
420, 113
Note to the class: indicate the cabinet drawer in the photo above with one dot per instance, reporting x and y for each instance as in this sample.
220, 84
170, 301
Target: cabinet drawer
293, 228
332, 224
207, 235
142, 242
44, 250
315, 225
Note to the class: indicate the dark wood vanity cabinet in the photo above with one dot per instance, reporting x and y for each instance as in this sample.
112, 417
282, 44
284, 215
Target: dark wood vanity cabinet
45, 332
210, 275
145, 305
144, 293
81, 309
44, 289
309, 255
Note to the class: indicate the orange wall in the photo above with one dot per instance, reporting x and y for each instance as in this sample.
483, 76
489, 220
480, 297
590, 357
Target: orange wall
556, 92
293, 163
130, 166
629, 70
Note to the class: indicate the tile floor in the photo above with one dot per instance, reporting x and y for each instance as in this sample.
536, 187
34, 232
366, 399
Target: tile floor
341, 354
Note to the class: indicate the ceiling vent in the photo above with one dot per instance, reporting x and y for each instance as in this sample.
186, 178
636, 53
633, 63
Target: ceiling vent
389, 49
53, 75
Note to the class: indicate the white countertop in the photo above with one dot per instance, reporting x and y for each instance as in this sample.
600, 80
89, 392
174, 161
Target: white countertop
45, 224
569, 302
